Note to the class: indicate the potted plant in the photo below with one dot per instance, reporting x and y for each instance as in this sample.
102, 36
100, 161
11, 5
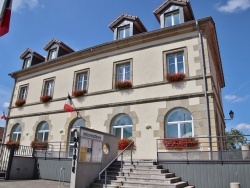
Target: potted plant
38, 145
45, 98
13, 144
123, 84
175, 77
79, 93
20, 102
123, 143
180, 143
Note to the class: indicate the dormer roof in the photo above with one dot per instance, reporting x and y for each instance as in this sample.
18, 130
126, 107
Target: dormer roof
29, 51
185, 3
136, 21
60, 43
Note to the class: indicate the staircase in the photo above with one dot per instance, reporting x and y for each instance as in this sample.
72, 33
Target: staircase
140, 174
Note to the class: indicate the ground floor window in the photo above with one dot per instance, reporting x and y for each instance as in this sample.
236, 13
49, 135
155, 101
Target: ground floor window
42, 132
76, 123
16, 133
179, 124
122, 126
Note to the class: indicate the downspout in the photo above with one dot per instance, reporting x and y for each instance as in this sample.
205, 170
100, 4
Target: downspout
7, 121
205, 85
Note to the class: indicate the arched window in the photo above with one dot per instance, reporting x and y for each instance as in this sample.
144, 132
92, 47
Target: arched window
122, 126
179, 124
77, 123
42, 132
16, 133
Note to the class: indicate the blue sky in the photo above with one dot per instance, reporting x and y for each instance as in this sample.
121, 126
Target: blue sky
84, 23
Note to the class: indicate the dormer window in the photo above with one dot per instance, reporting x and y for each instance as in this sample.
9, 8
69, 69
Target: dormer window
27, 63
56, 48
126, 26
30, 58
123, 32
52, 54
172, 19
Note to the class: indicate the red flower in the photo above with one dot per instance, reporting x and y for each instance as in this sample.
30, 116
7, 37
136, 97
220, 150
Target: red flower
174, 77
180, 143
20, 102
45, 98
123, 84
123, 143
78, 93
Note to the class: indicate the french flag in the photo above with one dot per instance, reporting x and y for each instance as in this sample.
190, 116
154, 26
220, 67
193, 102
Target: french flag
5, 13
3, 116
68, 106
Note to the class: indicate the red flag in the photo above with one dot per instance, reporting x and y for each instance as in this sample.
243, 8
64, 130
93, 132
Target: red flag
5, 16
3, 116
68, 106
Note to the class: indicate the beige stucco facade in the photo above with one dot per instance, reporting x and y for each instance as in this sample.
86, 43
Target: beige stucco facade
149, 101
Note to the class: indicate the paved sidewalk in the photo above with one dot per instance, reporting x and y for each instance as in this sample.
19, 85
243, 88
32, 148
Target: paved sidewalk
31, 184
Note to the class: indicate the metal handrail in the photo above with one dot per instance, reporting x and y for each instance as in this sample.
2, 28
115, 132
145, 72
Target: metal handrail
121, 154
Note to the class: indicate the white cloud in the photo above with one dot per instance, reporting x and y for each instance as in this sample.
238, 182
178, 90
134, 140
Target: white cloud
6, 104
5, 94
234, 6
234, 98
243, 127
21, 4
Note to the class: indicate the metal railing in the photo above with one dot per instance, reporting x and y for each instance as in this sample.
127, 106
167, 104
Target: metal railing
221, 148
131, 145
53, 150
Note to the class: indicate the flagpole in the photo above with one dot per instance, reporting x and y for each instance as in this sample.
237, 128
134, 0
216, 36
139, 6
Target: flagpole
77, 112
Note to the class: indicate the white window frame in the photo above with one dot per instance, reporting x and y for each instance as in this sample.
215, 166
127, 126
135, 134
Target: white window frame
124, 31
176, 62
27, 62
84, 82
178, 124
122, 127
43, 132
23, 93
52, 53
17, 133
48, 88
172, 18
123, 65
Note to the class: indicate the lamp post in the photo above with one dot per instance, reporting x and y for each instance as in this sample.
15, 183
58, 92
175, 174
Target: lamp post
231, 115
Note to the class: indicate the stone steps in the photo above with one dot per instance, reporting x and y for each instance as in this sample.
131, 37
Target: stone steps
139, 174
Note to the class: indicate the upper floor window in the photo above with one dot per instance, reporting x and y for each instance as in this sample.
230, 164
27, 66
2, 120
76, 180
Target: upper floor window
52, 54
48, 87
179, 124
175, 63
23, 92
81, 80
123, 32
172, 19
27, 62
123, 72
16, 133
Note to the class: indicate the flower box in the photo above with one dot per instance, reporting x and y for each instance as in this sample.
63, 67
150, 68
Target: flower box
180, 143
39, 145
20, 102
123, 84
79, 93
175, 77
123, 143
13, 144
45, 98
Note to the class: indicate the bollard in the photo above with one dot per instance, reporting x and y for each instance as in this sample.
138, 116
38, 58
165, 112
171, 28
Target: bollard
234, 185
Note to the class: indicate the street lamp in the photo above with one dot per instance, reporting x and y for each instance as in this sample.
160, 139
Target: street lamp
231, 115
